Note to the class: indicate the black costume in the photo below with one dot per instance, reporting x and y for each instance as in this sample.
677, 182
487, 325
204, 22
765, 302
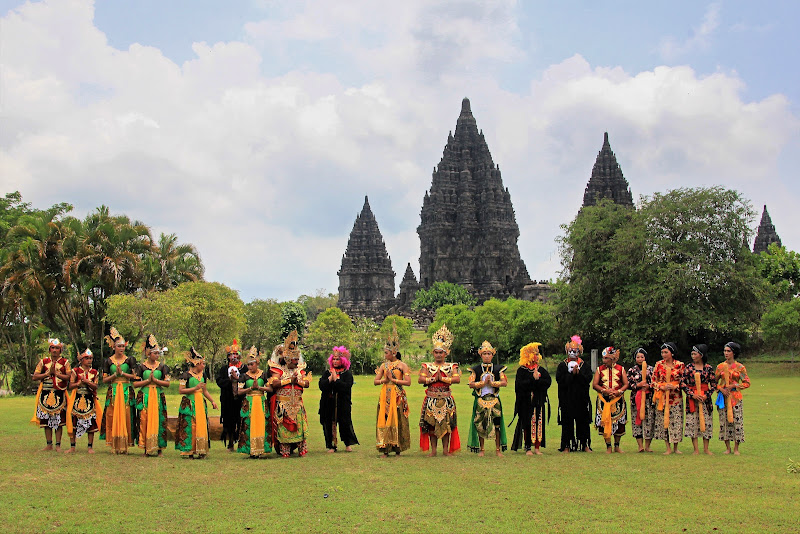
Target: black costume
334, 408
230, 407
574, 406
531, 401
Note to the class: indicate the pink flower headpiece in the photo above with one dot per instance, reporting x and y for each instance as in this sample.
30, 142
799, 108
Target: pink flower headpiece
344, 355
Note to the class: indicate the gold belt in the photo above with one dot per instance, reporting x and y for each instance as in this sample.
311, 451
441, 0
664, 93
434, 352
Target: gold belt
438, 394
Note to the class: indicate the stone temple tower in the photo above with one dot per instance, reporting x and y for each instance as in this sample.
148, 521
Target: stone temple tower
766, 233
366, 278
607, 180
468, 232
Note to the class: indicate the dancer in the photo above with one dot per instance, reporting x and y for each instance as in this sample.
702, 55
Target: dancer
53, 374
667, 397
150, 401
253, 385
119, 423
392, 432
487, 421
288, 377
731, 380
531, 386
230, 405
574, 407
640, 377
610, 382
336, 384
83, 410
698, 384
191, 437
438, 417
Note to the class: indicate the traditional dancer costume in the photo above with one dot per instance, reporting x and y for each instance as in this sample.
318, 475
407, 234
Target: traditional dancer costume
531, 386
438, 416
288, 379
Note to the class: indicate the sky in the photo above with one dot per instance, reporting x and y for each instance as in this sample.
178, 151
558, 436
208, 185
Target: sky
254, 129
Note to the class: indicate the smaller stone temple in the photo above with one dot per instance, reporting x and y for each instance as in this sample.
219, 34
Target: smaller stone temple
366, 278
408, 289
607, 180
766, 233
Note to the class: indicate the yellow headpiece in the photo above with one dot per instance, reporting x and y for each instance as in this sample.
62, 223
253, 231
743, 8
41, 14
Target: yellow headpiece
151, 343
194, 357
253, 355
529, 354
487, 347
233, 348
114, 336
443, 339
290, 348
393, 342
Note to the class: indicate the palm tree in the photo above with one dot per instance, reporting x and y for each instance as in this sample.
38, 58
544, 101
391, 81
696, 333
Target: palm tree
171, 264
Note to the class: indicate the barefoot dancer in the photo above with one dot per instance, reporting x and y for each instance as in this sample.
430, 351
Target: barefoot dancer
698, 383
335, 404
640, 377
668, 399
731, 380
392, 432
611, 414
438, 418
487, 421
531, 386
84, 410
51, 399
150, 401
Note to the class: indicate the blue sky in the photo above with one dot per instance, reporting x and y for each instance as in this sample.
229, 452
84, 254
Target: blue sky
258, 124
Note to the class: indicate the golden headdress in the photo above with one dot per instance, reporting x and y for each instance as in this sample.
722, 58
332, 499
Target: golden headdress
443, 339
290, 345
151, 343
487, 347
254, 355
194, 357
393, 341
233, 348
113, 336
574, 343
529, 354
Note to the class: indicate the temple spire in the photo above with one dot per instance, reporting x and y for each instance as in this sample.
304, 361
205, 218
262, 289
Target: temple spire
766, 233
607, 180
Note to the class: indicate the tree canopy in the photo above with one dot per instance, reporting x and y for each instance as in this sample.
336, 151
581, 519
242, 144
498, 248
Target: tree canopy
441, 294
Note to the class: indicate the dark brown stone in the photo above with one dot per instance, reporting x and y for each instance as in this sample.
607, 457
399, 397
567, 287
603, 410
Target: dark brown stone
766, 233
607, 180
468, 231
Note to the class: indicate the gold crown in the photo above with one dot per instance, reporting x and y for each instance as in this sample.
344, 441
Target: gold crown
151, 343
290, 348
253, 355
194, 357
443, 339
113, 336
486, 347
393, 341
233, 348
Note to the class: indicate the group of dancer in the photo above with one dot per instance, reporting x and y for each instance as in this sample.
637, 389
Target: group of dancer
263, 411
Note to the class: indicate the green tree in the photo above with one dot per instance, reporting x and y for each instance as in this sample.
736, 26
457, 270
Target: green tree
531, 321
492, 322
332, 328
781, 269
209, 315
458, 318
441, 294
293, 317
169, 264
263, 319
318, 303
404, 328
780, 325
366, 351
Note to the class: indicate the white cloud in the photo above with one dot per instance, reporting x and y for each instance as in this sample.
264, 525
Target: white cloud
265, 174
700, 37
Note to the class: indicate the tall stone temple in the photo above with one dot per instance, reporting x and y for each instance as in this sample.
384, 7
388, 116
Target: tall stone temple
607, 180
468, 233
766, 233
366, 278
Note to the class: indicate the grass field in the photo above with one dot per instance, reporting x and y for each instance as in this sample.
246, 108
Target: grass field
360, 492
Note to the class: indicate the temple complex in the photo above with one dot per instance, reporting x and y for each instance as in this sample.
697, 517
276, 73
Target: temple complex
766, 233
366, 278
468, 231
607, 180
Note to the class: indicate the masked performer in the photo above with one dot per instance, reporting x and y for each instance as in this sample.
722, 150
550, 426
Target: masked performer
531, 387
574, 407
253, 385
731, 380
640, 378
53, 373
83, 408
288, 378
487, 422
152, 376
667, 397
438, 418
698, 383
230, 405
392, 431
191, 437
336, 384
119, 424
610, 382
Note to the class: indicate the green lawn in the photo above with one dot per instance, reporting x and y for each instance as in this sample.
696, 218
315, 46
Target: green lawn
361, 492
